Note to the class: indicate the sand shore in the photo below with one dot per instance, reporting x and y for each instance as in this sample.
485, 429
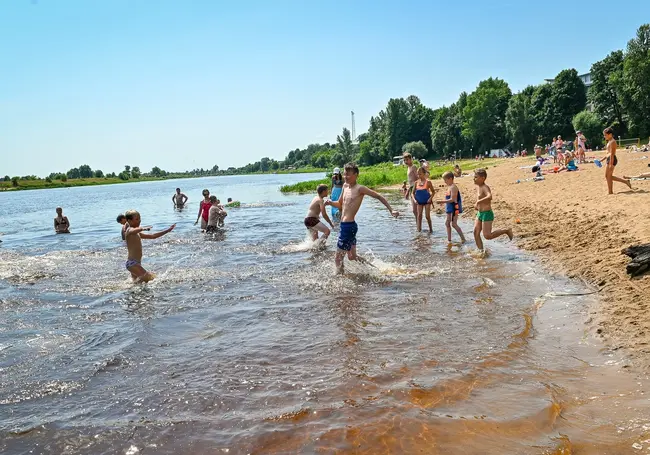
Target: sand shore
577, 229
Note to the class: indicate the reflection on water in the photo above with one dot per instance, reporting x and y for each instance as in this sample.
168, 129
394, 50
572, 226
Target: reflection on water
247, 341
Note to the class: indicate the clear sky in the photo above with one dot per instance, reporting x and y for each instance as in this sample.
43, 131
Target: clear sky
193, 83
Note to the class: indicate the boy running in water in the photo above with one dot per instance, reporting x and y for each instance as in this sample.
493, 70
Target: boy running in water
179, 199
453, 206
349, 205
612, 161
134, 236
316, 208
484, 213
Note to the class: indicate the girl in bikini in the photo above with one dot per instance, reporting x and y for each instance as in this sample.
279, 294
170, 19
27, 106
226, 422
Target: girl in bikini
422, 195
204, 210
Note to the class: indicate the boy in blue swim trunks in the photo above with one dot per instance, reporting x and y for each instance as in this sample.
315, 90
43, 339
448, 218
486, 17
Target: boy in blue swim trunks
134, 236
484, 213
349, 204
453, 206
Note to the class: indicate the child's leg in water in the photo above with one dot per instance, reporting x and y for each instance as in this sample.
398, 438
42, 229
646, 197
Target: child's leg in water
488, 234
478, 227
338, 259
419, 217
320, 227
139, 274
428, 214
448, 226
455, 225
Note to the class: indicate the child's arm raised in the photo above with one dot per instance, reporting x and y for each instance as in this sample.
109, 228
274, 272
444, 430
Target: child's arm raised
379, 197
157, 234
324, 213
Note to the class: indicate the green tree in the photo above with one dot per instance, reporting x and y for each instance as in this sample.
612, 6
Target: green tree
635, 93
127, 169
156, 171
568, 97
416, 149
98, 174
124, 175
605, 91
485, 112
519, 119
345, 146
85, 171
215, 169
7, 178
48, 179
64, 178
395, 126
135, 172
265, 164
419, 118
543, 113
73, 173
591, 126
275, 165
14, 181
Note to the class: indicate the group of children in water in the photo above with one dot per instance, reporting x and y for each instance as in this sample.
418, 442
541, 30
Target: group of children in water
421, 194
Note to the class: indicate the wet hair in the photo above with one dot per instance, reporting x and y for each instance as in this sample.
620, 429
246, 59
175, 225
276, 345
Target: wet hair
322, 188
130, 214
351, 166
178, 190
120, 217
406, 155
481, 173
448, 175
57, 209
229, 199
213, 198
205, 191
608, 130
457, 167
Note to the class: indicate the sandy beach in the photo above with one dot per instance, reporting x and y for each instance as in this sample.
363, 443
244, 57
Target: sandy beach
577, 229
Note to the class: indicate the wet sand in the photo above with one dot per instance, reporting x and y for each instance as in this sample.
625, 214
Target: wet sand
577, 229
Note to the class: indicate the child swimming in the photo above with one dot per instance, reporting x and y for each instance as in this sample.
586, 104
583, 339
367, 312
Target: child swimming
122, 220
317, 208
485, 215
61, 223
134, 236
422, 195
453, 206
349, 204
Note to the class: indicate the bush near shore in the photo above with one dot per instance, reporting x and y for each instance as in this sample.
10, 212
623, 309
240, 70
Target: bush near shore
384, 174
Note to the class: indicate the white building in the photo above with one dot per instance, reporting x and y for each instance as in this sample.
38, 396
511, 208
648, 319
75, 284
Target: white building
586, 79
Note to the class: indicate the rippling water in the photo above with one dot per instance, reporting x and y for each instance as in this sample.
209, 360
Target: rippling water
249, 342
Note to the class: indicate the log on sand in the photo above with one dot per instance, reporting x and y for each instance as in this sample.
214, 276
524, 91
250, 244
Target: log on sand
640, 255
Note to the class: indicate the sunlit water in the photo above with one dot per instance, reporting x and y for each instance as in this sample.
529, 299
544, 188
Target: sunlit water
248, 342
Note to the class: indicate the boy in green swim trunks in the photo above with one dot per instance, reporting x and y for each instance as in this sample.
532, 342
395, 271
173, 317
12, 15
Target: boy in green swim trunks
484, 214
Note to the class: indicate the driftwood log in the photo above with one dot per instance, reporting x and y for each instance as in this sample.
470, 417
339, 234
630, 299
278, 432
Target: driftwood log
640, 262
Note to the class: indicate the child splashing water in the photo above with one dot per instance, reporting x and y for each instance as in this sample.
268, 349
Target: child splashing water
484, 213
349, 205
317, 208
134, 236
422, 196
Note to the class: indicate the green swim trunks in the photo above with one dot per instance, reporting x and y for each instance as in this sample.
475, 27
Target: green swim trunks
488, 215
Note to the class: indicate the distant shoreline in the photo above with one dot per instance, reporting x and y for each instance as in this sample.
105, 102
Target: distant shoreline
42, 184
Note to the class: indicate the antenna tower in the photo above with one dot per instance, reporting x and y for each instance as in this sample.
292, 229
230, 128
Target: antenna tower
354, 130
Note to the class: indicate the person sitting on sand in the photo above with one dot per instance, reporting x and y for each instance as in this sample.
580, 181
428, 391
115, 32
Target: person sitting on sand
612, 161
458, 172
422, 196
61, 223
349, 204
204, 210
316, 209
453, 206
122, 220
216, 215
179, 199
484, 213
134, 236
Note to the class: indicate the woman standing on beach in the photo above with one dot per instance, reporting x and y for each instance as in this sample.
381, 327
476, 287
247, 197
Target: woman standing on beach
612, 161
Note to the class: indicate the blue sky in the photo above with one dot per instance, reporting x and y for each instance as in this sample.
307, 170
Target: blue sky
185, 84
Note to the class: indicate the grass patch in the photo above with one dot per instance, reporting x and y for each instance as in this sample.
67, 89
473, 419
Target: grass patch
42, 184
385, 174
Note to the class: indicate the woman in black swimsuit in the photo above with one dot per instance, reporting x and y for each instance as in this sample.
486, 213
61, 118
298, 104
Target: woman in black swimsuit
61, 223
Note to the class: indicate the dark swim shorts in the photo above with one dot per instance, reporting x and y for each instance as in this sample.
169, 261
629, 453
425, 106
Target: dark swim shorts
311, 221
615, 160
347, 235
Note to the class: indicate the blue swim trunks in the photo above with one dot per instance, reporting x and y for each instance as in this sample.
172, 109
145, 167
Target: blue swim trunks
131, 262
347, 235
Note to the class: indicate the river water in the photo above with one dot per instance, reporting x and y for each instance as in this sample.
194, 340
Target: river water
249, 343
